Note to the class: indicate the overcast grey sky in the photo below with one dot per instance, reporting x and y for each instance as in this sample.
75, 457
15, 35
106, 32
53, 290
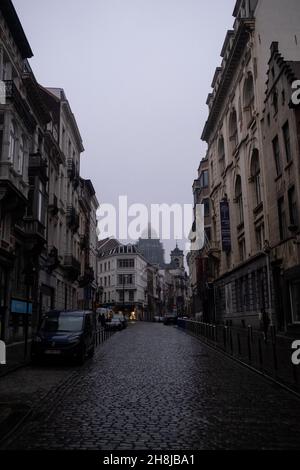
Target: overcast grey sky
137, 74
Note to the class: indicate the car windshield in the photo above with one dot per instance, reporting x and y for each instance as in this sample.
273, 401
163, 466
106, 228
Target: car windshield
62, 323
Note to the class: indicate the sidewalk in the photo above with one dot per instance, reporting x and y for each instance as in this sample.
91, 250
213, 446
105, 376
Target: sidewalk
15, 357
271, 358
26, 389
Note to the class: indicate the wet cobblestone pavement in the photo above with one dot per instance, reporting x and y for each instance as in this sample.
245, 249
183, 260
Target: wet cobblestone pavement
155, 387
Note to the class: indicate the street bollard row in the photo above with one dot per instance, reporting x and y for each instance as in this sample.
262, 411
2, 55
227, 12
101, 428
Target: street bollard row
103, 335
269, 354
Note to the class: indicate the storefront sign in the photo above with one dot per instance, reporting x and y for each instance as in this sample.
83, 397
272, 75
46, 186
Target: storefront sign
21, 307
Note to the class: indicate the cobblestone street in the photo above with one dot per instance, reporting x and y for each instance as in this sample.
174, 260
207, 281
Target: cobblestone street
155, 387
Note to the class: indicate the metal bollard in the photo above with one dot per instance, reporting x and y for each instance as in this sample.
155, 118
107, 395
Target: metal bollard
250, 337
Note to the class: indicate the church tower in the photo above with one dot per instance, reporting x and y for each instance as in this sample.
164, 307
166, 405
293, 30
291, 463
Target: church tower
177, 258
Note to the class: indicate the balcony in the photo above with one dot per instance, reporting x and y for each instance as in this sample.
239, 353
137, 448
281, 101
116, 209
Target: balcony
72, 219
38, 166
12, 93
35, 232
72, 267
73, 173
53, 260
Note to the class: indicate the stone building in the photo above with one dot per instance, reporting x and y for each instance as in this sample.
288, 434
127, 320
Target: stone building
239, 163
177, 283
88, 206
200, 264
122, 278
281, 167
63, 255
23, 117
43, 263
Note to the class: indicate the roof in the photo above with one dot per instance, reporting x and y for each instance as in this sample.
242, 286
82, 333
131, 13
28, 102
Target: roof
11, 17
108, 244
60, 95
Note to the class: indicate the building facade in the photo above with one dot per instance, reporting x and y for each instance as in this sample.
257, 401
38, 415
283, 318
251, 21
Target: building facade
240, 164
123, 279
43, 263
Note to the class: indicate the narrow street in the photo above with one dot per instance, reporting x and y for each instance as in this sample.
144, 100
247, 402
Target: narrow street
155, 387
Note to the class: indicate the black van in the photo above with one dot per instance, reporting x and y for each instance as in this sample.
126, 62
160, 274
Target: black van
65, 335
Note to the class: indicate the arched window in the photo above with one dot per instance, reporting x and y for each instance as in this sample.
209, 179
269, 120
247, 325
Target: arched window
275, 102
20, 159
12, 142
249, 98
255, 176
221, 153
239, 199
233, 130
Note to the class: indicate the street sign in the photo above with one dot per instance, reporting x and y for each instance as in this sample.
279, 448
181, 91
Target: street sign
21, 307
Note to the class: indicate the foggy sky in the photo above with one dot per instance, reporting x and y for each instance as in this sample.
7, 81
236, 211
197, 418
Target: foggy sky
137, 74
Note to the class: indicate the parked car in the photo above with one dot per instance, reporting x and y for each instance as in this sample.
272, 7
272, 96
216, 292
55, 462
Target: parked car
65, 335
114, 324
170, 319
122, 319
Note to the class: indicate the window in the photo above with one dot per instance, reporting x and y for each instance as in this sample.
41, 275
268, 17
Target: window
125, 263
276, 152
239, 200
40, 204
212, 176
255, 175
293, 210
126, 279
105, 281
131, 296
233, 130
295, 300
221, 153
260, 237
282, 219
12, 142
20, 160
287, 141
249, 98
242, 250
206, 207
204, 179
121, 297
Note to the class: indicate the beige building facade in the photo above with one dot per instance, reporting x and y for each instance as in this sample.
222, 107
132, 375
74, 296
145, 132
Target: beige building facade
242, 228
